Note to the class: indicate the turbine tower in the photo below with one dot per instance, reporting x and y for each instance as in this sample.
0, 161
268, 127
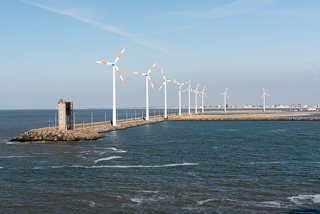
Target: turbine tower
165, 93
264, 99
225, 99
179, 84
147, 78
114, 67
189, 89
195, 99
203, 94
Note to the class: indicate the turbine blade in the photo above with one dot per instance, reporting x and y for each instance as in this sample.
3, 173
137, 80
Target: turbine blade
116, 60
184, 83
106, 63
162, 86
119, 74
204, 88
197, 87
142, 74
164, 77
226, 90
189, 83
175, 81
185, 90
205, 95
151, 82
152, 67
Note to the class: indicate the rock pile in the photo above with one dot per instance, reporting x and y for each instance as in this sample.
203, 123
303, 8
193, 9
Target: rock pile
54, 134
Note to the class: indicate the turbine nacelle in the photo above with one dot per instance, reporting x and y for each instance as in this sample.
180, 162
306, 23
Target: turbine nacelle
113, 64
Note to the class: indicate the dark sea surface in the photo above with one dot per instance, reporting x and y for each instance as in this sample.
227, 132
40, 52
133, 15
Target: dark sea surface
167, 167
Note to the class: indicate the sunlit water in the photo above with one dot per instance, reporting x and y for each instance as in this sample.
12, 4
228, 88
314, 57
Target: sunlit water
168, 167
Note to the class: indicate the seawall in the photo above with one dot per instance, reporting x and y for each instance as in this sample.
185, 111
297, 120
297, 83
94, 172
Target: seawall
84, 131
91, 131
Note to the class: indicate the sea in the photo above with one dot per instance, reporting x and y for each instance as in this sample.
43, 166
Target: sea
166, 167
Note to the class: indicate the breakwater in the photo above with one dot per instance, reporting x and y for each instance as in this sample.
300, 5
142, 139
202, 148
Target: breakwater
243, 118
91, 131
84, 131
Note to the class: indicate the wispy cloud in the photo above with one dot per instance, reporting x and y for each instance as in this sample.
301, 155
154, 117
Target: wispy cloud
235, 8
87, 18
81, 17
290, 13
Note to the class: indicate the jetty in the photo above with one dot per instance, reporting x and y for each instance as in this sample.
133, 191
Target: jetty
92, 131
83, 131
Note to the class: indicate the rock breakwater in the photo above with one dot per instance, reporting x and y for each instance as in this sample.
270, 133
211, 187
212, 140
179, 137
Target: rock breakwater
54, 134
206, 118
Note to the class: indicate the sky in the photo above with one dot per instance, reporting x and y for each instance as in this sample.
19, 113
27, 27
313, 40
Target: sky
46, 48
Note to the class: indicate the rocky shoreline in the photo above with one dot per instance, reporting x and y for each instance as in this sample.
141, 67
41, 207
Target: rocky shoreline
92, 131
54, 134
201, 118
88, 132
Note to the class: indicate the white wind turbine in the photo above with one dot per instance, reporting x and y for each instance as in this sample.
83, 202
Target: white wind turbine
203, 94
114, 67
165, 93
179, 84
196, 92
147, 78
188, 89
225, 99
264, 99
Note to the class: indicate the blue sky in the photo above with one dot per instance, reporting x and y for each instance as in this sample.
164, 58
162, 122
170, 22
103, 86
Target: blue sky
245, 45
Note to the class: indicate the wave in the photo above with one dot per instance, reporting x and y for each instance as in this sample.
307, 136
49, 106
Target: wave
15, 156
272, 162
105, 159
1, 167
116, 150
272, 204
16, 142
205, 201
137, 200
127, 166
303, 199
149, 191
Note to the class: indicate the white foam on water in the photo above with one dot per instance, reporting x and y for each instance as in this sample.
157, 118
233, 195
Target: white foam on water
274, 162
1, 167
16, 156
92, 204
137, 200
14, 142
303, 199
116, 150
205, 201
272, 204
126, 166
148, 191
106, 159
147, 166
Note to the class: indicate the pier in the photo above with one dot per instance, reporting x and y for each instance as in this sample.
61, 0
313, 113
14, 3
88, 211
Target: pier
92, 131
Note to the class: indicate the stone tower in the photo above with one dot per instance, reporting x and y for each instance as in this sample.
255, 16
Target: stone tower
62, 117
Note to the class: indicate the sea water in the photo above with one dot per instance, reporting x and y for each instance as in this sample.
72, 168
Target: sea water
167, 167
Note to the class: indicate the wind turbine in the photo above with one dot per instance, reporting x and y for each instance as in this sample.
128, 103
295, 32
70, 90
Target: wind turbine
165, 93
225, 99
188, 89
179, 84
202, 93
147, 78
195, 99
264, 99
114, 67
